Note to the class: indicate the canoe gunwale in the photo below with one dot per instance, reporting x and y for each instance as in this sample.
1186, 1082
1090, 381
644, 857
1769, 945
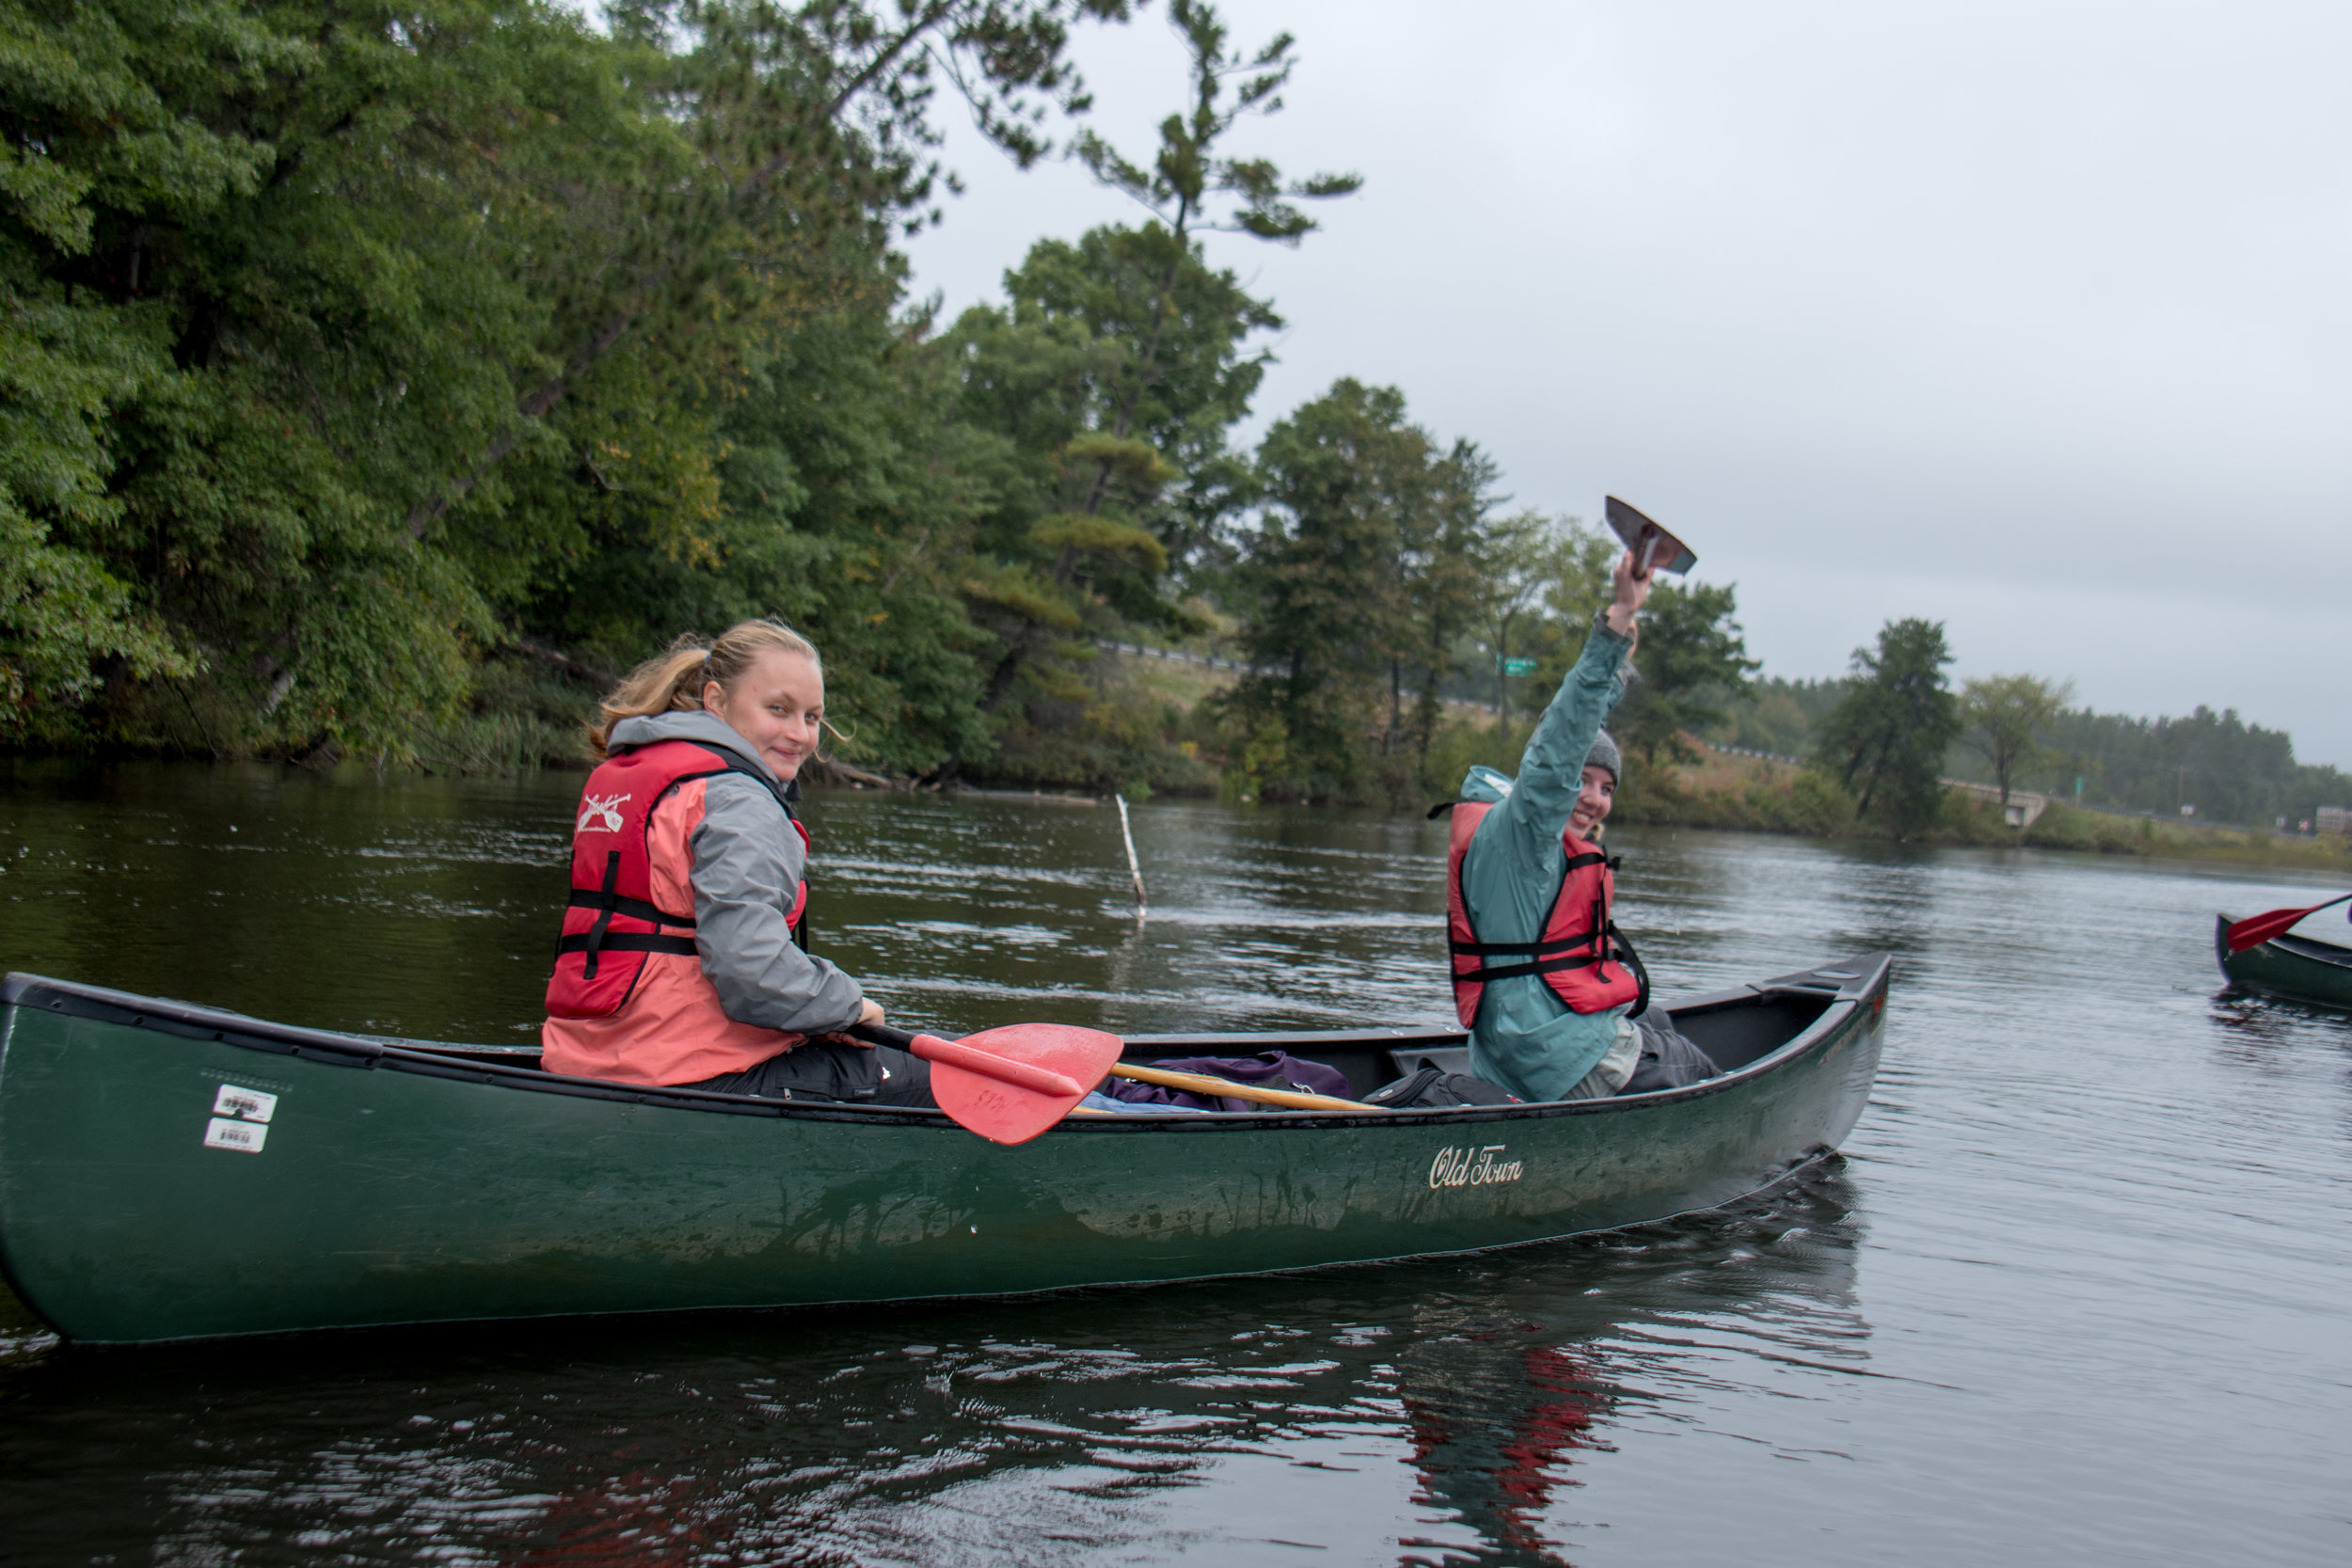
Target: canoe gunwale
2318, 952
1842, 991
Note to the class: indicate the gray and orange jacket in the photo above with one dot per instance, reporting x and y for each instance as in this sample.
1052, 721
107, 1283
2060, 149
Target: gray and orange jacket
684, 966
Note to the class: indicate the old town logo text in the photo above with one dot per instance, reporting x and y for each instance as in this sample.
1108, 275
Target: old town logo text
1472, 1167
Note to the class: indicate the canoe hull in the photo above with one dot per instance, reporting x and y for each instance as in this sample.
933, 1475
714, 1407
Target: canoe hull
2292, 967
398, 1189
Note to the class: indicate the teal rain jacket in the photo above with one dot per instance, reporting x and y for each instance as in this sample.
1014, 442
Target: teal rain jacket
1526, 1039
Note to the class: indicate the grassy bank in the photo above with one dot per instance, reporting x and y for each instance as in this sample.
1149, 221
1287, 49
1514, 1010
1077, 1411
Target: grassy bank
1752, 794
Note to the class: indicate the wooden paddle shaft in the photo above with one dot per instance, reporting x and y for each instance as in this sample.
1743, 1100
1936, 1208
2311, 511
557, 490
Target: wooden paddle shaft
1201, 1082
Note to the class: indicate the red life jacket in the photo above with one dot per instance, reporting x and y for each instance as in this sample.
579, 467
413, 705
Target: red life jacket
1572, 955
612, 927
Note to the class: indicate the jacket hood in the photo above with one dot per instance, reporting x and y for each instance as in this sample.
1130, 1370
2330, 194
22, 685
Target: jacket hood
708, 728
1484, 784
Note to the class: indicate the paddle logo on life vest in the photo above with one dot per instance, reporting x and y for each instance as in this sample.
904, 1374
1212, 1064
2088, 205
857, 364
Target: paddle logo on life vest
1472, 1167
601, 814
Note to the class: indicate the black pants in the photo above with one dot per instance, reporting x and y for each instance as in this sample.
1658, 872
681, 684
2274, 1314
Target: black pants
1669, 1060
825, 1070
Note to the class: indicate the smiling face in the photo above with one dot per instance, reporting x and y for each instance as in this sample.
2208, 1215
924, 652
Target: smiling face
1592, 801
776, 706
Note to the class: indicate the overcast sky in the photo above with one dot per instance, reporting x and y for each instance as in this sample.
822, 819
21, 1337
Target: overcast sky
2030, 318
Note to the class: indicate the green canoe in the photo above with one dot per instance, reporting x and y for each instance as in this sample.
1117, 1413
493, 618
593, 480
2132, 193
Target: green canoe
170, 1171
2290, 966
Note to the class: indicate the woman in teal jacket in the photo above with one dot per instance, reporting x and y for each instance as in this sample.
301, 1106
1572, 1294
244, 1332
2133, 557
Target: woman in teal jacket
1524, 1037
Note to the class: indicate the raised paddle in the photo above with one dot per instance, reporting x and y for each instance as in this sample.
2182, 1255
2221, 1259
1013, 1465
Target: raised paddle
2258, 928
1653, 548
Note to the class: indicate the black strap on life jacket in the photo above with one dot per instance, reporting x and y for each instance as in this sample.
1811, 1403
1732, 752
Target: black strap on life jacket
1551, 957
608, 903
593, 943
1548, 956
1633, 960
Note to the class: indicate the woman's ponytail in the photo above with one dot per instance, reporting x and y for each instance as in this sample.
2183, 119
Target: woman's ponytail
673, 681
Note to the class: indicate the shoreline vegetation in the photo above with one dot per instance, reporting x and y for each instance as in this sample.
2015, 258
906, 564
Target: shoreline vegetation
1170, 750
1739, 794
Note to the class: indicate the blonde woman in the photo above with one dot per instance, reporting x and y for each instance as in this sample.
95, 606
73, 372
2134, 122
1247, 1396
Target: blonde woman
680, 964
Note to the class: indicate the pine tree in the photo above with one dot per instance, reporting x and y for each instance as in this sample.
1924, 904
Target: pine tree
1191, 188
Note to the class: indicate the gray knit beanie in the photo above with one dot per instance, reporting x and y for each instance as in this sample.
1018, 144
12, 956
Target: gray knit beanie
1604, 754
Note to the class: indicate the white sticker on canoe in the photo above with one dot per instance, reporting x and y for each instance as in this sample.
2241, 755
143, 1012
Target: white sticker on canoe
1472, 1167
244, 1136
251, 1104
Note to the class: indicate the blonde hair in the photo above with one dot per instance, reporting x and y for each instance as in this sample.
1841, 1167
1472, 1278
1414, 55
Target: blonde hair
673, 681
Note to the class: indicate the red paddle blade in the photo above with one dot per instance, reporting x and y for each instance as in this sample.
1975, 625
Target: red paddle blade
2258, 928
1010, 1085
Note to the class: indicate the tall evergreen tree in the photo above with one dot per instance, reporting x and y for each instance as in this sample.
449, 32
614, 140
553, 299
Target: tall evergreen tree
1088, 523
1449, 554
1192, 187
1343, 478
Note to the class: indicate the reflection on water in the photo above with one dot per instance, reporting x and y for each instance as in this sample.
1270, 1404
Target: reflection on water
1420, 1414
2075, 1295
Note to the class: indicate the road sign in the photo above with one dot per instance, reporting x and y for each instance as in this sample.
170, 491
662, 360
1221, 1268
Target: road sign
1518, 666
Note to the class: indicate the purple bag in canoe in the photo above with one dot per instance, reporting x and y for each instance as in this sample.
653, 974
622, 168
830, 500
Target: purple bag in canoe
1270, 1069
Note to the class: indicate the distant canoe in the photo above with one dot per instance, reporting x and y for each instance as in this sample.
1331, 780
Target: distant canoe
2290, 966
170, 1171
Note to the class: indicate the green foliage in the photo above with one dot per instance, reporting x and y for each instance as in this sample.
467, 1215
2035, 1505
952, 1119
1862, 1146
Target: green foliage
1120, 370
2065, 828
1539, 582
1360, 509
1775, 714
2006, 716
1886, 737
332, 335
379, 381
1108, 470
1188, 176
844, 503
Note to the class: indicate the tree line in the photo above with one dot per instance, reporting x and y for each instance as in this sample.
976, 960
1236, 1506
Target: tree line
379, 380
1896, 727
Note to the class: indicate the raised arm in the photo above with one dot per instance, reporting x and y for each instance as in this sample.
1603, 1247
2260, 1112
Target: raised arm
1529, 824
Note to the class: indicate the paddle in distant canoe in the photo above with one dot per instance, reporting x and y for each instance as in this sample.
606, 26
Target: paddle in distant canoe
170, 1171
2263, 953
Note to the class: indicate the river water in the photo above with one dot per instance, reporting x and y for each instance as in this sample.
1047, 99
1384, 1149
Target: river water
2075, 1293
